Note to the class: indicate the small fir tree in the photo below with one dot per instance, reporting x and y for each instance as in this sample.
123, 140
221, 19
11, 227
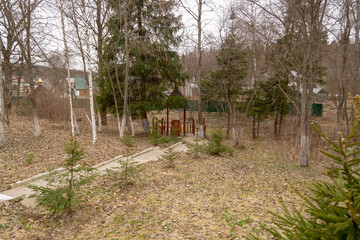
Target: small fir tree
170, 156
216, 147
126, 173
128, 140
196, 148
333, 210
62, 190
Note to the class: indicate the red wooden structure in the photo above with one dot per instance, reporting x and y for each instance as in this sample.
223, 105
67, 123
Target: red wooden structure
177, 126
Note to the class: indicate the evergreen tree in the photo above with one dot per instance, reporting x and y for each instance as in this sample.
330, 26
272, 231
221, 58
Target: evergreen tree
62, 190
332, 212
226, 83
258, 104
154, 65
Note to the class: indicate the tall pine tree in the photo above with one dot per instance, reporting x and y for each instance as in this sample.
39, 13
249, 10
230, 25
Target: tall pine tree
154, 65
226, 83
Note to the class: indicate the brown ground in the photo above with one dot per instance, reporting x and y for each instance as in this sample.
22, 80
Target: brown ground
48, 150
202, 198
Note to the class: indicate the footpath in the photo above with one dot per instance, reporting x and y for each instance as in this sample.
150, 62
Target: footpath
20, 192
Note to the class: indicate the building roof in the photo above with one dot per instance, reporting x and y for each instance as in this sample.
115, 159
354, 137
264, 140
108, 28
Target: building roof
80, 84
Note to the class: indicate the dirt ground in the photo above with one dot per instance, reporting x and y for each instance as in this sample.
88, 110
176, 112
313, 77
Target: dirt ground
206, 197
24, 155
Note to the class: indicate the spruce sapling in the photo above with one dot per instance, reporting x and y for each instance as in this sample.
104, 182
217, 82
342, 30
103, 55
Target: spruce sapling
333, 209
62, 189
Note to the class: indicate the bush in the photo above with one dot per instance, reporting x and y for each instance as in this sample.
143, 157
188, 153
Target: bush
23, 107
30, 158
170, 156
215, 147
62, 191
332, 212
156, 138
126, 173
196, 148
128, 140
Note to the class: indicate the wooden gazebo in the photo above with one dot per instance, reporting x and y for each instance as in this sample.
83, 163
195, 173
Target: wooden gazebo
175, 100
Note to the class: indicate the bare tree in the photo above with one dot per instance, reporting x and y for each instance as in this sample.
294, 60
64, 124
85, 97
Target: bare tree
197, 16
27, 10
91, 93
304, 22
67, 60
2, 135
126, 80
8, 47
309, 15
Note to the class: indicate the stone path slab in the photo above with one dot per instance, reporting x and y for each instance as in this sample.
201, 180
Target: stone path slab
20, 190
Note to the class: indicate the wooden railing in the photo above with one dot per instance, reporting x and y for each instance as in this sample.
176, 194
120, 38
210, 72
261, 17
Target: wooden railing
164, 128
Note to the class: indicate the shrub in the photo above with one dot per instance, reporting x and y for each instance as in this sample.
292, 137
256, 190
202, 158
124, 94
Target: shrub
332, 212
170, 156
215, 147
126, 173
23, 107
128, 140
156, 138
30, 158
196, 148
62, 191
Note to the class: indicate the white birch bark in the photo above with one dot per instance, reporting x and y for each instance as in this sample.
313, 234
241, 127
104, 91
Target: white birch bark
76, 126
99, 129
91, 92
199, 66
2, 135
67, 60
132, 127
126, 83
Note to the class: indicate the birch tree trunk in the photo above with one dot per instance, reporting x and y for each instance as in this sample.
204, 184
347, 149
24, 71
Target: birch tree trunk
198, 72
304, 133
91, 93
67, 61
126, 83
2, 135
27, 51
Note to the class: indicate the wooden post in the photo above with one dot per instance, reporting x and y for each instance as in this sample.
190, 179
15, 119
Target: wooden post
193, 127
204, 127
167, 121
162, 126
184, 127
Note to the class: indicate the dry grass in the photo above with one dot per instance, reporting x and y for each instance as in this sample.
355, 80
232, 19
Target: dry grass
204, 198
48, 149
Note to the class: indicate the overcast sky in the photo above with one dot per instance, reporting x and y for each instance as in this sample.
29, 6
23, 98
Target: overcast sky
212, 11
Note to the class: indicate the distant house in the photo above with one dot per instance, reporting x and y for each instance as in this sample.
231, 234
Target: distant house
320, 95
24, 87
80, 87
190, 89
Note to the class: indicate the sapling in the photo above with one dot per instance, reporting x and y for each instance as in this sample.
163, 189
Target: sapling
128, 140
216, 147
126, 173
170, 156
196, 148
62, 189
332, 210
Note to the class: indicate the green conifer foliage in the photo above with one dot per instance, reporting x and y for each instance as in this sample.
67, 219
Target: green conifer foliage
333, 210
154, 64
62, 190
127, 172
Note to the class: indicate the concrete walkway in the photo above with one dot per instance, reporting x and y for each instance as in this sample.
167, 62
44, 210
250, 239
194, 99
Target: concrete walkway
19, 190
